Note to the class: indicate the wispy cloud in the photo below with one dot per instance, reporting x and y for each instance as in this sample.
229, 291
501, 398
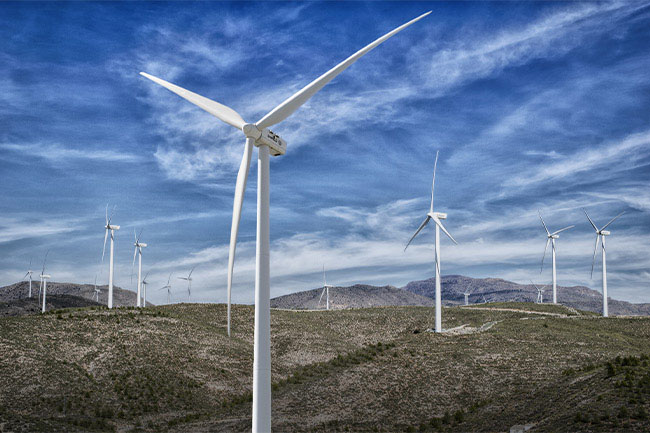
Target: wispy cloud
13, 229
59, 153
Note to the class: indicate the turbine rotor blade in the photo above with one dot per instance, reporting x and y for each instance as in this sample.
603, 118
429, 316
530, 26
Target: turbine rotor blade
321, 295
561, 230
220, 111
286, 108
612, 220
548, 240
437, 221
593, 261
542, 219
424, 223
433, 182
240, 189
191, 272
104, 249
590, 221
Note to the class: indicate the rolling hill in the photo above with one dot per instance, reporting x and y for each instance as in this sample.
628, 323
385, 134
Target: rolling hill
173, 369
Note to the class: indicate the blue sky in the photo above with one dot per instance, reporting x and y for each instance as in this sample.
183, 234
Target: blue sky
531, 105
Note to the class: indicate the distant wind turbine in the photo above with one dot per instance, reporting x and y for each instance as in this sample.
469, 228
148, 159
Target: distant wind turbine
600, 237
109, 228
44, 278
29, 274
467, 297
436, 217
144, 290
550, 238
97, 290
540, 293
189, 283
168, 287
138, 250
326, 290
259, 135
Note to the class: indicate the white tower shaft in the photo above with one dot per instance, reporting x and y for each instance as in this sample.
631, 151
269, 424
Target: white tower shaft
110, 275
262, 339
466, 299
30, 285
44, 294
605, 312
139, 277
554, 275
438, 295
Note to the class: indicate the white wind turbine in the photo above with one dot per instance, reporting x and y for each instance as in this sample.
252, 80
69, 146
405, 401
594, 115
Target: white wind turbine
144, 289
109, 228
29, 274
168, 287
467, 297
600, 237
550, 238
540, 293
97, 290
189, 283
260, 136
138, 251
326, 290
44, 278
436, 217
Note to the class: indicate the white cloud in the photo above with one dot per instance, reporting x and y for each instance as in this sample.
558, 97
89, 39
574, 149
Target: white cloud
59, 153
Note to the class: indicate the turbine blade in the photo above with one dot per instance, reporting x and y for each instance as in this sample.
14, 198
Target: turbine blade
592, 223
437, 221
593, 261
321, 295
286, 108
542, 219
135, 252
424, 223
544, 256
220, 111
433, 182
612, 220
191, 272
45, 261
25, 275
240, 189
106, 213
170, 277
561, 230
104, 249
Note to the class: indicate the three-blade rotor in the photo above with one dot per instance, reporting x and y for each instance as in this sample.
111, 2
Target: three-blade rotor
254, 131
549, 238
599, 232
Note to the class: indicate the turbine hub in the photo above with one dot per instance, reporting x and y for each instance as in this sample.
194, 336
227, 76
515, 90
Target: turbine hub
251, 131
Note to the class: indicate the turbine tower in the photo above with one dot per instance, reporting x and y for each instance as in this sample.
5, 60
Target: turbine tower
540, 293
550, 238
267, 142
467, 297
138, 250
29, 274
436, 217
189, 284
168, 287
600, 237
44, 278
109, 228
326, 290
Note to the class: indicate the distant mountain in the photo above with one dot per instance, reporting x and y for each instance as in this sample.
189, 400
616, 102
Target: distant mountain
498, 290
24, 306
357, 296
121, 297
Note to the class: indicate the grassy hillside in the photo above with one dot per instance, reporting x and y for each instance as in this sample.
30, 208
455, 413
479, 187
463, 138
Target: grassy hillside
172, 368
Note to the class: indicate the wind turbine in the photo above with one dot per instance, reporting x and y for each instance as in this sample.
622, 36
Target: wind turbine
29, 274
436, 217
550, 238
96, 290
44, 278
168, 287
467, 297
109, 228
138, 250
260, 136
189, 283
540, 293
144, 289
326, 290
600, 236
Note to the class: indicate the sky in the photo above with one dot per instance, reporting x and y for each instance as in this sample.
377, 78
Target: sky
532, 106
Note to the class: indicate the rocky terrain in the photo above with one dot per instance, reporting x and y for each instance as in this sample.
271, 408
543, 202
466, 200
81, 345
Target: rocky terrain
357, 296
173, 369
20, 307
498, 290
19, 291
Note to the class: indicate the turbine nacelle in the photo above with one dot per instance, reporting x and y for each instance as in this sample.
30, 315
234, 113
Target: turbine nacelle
553, 236
45, 276
439, 215
112, 227
604, 232
277, 145
140, 245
